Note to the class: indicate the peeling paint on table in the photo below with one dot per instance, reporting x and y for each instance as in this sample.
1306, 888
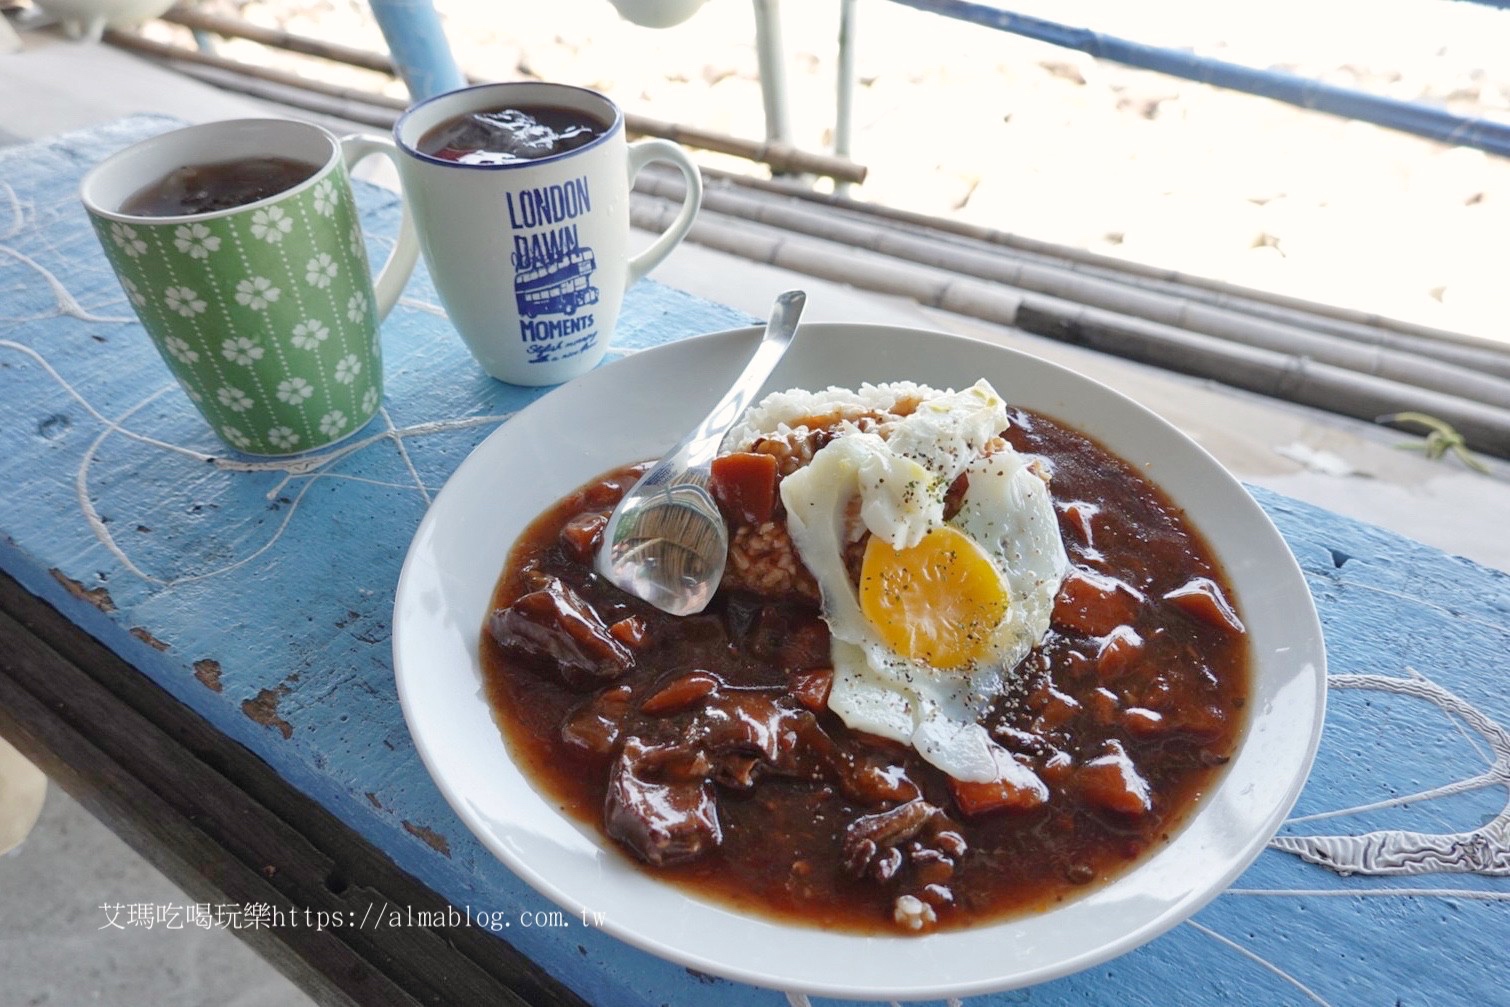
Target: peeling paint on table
259, 593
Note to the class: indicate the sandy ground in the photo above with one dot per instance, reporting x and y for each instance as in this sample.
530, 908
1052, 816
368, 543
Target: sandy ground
962, 121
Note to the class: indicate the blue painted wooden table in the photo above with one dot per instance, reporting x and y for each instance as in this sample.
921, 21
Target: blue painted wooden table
258, 593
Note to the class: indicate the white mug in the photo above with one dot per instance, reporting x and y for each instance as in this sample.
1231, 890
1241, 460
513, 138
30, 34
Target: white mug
531, 257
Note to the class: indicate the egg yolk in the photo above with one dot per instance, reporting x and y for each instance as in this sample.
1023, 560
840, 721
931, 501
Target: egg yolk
936, 602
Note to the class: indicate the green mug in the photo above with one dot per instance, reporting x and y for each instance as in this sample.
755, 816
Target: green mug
266, 313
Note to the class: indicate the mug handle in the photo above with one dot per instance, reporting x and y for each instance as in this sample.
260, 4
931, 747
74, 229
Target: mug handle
395, 272
642, 153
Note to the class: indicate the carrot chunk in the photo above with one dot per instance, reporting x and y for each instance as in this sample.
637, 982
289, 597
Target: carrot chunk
1078, 515
1111, 781
1118, 648
1142, 722
1203, 600
998, 795
744, 484
1094, 604
681, 693
630, 631
1017, 788
812, 687
583, 534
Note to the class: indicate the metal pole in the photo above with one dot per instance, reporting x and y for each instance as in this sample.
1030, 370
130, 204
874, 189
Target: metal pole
419, 47
1416, 117
845, 104
772, 69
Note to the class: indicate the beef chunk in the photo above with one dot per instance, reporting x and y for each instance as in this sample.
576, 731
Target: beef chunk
660, 803
595, 725
554, 628
871, 840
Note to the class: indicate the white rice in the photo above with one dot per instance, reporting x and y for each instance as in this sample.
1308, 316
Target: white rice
775, 415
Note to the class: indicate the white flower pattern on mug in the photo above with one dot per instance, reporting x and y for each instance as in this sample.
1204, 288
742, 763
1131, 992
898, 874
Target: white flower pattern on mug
369, 400
282, 438
184, 300
234, 399
196, 240
356, 307
241, 350
347, 369
354, 239
180, 350
133, 293
271, 224
294, 390
125, 236
310, 333
257, 292
319, 271
332, 423
236, 437
325, 197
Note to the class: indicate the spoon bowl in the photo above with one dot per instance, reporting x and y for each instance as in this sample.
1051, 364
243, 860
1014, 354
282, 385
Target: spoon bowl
666, 542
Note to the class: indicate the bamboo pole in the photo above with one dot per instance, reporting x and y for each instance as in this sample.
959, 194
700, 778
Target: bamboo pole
284, 79
1351, 323
1281, 375
332, 112
779, 156
1098, 292
1476, 355
277, 38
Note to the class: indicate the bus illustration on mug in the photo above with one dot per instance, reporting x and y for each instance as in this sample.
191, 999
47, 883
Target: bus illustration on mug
558, 287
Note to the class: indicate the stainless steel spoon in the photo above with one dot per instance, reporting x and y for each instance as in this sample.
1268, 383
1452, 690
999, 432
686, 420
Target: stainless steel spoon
666, 541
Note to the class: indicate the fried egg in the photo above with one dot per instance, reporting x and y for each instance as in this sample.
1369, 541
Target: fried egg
944, 610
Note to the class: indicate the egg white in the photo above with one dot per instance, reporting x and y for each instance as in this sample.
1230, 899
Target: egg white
899, 483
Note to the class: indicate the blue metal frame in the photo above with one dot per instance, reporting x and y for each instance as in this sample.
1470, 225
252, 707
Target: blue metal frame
419, 47
1409, 117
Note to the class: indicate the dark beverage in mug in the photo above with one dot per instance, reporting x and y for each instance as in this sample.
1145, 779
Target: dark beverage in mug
222, 185
505, 135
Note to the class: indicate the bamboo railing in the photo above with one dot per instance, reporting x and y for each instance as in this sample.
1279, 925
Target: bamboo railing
1358, 377
1336, 359
781, 158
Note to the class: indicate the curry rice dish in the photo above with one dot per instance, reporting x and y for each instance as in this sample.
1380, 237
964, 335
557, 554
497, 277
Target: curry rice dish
964, 663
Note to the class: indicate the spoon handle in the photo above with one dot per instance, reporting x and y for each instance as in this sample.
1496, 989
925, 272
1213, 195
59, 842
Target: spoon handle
666, 541
695, 452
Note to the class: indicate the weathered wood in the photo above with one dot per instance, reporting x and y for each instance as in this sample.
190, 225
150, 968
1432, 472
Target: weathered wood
222, 825
270, 584
271, 588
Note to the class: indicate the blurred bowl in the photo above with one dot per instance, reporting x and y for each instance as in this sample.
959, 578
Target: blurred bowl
657, 13
86, 20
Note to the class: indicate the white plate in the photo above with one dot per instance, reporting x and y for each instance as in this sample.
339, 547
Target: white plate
638, 407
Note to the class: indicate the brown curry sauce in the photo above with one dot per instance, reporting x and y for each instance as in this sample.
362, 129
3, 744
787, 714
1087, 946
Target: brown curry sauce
1172, 700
